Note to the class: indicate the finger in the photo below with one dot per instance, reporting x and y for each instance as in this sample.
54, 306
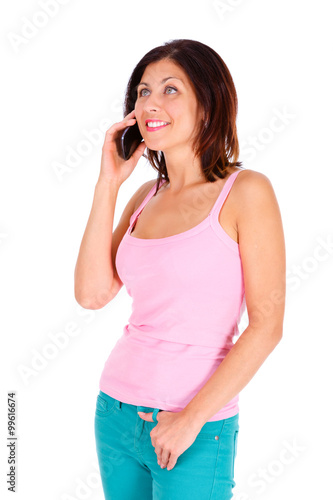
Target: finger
172, 461
136, 157
159, 451
144, 415
117, 127
171, 464
165, 459
130, 114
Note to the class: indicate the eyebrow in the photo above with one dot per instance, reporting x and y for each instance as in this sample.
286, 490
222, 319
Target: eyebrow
163, 81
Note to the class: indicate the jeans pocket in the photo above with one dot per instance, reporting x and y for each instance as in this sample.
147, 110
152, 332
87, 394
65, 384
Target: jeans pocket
105, 404
211, 431
235, 448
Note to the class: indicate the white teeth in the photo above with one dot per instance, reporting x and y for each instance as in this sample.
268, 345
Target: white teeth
156, 124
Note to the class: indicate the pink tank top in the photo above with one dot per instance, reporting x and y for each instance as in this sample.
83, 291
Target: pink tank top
188, 297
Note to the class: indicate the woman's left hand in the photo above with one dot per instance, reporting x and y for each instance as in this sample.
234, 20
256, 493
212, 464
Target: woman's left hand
171, 436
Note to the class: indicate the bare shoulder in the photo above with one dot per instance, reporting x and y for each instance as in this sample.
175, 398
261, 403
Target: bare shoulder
258, 218
253, 188
262, 250
123, 224
142, 192
253, 179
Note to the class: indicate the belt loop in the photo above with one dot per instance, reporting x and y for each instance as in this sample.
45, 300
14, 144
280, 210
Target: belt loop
155, 412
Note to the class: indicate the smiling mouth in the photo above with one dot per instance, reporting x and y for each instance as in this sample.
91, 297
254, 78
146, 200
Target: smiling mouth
158, 127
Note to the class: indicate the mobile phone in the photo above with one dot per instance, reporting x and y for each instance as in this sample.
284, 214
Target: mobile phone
128, 141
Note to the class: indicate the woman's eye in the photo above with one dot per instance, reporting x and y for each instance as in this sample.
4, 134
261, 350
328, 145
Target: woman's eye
168, 87
142, 90
173, 88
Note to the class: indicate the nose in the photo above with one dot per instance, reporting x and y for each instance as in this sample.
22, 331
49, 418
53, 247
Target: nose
151, 104
151, 108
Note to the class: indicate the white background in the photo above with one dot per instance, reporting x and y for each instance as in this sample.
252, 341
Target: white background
59, 82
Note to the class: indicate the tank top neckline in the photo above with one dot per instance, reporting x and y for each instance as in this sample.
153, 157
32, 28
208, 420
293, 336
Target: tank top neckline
206, 222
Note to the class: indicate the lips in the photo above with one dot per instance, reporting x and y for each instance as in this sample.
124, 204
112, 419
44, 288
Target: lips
154, 120
153, 129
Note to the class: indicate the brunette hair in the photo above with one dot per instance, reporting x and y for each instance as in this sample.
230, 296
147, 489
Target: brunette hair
217, 142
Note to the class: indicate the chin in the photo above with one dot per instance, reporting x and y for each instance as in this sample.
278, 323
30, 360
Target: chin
154, 146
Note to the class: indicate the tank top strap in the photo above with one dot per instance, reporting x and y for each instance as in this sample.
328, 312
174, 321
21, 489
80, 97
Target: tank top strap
223, 194
144, 202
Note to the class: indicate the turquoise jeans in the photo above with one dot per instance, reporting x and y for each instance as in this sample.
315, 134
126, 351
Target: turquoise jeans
128, 462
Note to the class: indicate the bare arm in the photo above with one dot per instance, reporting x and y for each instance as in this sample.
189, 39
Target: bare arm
95, 277
262, 249
93, 273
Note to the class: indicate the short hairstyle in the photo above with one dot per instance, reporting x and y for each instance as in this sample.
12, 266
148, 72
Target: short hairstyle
217, 142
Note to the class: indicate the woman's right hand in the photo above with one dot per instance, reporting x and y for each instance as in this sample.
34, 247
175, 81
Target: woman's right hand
113, 167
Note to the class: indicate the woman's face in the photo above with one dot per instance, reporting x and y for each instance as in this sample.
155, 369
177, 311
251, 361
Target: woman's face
170, 100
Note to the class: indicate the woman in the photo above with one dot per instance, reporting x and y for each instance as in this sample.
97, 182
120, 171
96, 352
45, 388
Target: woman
167, 415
